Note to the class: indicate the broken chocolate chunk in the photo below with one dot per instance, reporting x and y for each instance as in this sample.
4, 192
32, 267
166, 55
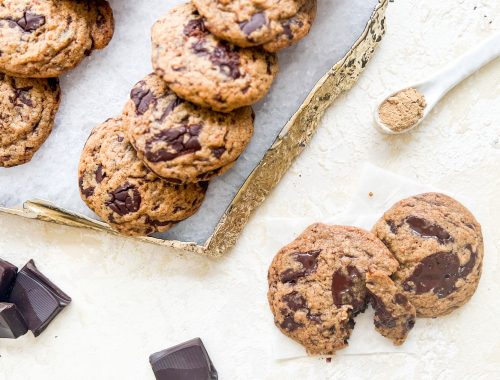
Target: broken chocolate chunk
12, 324
186, 361
427, 229
8, 273
37, 298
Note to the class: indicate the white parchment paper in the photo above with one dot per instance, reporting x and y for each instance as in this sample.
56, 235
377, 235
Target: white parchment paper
378, 190
98, 89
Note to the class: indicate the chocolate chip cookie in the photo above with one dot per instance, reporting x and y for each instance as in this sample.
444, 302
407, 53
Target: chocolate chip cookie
439, 246
394, 314
248, 22
43, 39
205, 70
317, 284
180, 141
117, 186
27, 111
294, 28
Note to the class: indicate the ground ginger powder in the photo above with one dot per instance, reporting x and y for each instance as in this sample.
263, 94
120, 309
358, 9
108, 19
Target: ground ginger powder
402, 110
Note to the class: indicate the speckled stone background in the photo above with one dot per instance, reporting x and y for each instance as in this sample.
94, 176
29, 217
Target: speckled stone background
132, 299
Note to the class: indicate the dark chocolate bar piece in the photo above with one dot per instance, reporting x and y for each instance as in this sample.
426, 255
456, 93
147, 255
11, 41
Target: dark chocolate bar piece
8, 274
186, 361
37, 298
12, 323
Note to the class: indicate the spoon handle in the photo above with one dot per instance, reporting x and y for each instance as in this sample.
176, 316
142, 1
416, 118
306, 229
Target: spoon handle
467, 64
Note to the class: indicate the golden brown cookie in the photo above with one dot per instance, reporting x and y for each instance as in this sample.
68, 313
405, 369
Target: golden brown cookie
439, 246
180, 141
248, 22
117, 186
205, 70
317, 284
27, 111
43, 39
295, 28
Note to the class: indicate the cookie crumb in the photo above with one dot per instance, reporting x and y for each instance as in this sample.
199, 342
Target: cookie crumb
402, 110
370, 194
328, 360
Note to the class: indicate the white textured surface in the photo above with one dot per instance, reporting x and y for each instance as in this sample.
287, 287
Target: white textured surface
133, 299
99, 88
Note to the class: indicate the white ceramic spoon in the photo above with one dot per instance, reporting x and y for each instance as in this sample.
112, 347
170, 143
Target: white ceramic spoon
438, 85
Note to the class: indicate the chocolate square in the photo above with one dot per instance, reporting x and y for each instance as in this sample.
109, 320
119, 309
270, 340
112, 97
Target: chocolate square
8, 273
37, 298
186, 361
12, 323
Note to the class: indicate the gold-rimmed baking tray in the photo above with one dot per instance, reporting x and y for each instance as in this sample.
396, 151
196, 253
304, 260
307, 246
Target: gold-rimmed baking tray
359, 24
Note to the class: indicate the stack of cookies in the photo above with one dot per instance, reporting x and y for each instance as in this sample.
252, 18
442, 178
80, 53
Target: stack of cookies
40, 40
423, 258
191, 119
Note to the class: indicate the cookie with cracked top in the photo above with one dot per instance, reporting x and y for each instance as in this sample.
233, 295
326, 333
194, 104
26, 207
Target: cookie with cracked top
117, 186
295, 28
180, 141
248, 22
27, 111
205, 70
439, 246
394, 314
43, 39
317, 284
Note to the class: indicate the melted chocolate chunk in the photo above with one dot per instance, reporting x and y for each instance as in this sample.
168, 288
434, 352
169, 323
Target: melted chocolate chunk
290, 324
295, 301
196, 28
383, 317
227, 58
439, 273
99, 174
86, 192
314, 317
257, 21
427, 229
309, 261
30, 22
142, 99
180, 141
171, 106
400, 299
8, 273
392, 226
124, 200
218, 152
186, 361
348, 289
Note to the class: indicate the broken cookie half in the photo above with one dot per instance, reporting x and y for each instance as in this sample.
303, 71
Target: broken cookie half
394, 314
